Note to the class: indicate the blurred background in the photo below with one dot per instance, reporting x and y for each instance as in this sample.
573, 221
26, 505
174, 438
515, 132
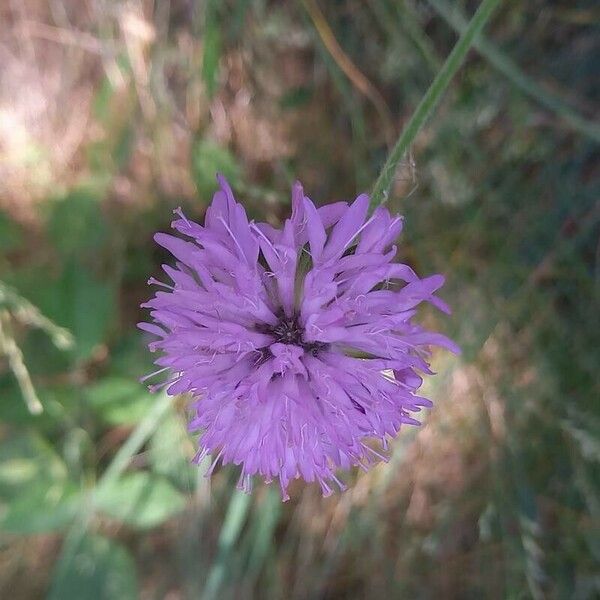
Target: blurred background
114, 113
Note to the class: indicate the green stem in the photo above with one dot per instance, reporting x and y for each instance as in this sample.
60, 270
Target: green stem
430, 100
230, 531
27, 313
144, 430
513, 73
115, 469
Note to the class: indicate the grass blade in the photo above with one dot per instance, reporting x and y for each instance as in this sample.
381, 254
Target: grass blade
513, 73
230, 531
430, 100
115, 469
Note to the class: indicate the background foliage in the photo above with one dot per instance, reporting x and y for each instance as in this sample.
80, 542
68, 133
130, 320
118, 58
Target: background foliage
114, 113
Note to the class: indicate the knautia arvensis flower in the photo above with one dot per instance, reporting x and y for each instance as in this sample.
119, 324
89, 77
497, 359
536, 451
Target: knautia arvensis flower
298, 345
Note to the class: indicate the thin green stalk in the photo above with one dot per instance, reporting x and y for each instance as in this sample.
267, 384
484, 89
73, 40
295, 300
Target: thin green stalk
13, 353
230, 531
512, 72
430, 100
263, 544
24, 311
144, 430
115, 469
399, 19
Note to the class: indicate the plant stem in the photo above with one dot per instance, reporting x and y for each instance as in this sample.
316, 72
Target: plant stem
513, 73
115, 469
144, 430
430, 100
230, 531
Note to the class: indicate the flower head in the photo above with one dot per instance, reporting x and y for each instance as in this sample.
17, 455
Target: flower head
297, 344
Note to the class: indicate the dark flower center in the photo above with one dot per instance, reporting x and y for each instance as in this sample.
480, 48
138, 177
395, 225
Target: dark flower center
289, 331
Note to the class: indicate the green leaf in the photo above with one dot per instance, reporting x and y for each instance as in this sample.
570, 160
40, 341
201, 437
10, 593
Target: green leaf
129, 354
17, 471
139, 499
28, 459
12, 408
77, 224
211, 50
114, 109
167, 453
10, 234
100, 570
296, 97
209, 158
41, 508
119, 401
75, 299
85, 305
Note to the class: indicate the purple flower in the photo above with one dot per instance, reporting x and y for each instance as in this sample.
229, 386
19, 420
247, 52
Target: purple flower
298, 344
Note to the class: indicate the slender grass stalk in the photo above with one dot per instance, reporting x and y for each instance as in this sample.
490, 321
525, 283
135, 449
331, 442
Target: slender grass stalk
230, 531
264, 524
144, 430
115, 469
343, 61
430, 100
399, 20
24, 311
454, 17
13, 353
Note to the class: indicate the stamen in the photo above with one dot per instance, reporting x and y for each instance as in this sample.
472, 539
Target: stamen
150, 375
340, 484
357, 232
244, 483
375, 453
327, 491
284, 495
177, 211
200, 456
210, 470
154, 281
264, 237
159, 386
232, 236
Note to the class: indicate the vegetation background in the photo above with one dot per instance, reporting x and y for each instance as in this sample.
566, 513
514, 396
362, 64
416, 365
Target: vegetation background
114, 113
